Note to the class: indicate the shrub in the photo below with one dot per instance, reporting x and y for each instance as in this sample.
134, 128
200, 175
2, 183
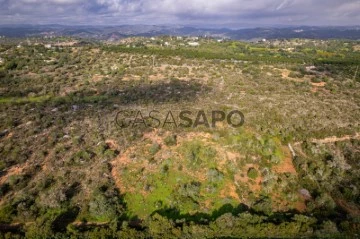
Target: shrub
2, 165
214, 175
252, 173
2, 74
191, 190
296, 75
154, 148
263, 205
198, 154
11, 65
165, 169
170, 140
5, 213
101, 208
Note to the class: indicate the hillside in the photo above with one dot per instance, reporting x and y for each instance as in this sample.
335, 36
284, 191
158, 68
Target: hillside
70, 168
123, 31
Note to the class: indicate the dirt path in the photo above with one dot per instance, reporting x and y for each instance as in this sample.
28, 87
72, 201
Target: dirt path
352, 209
286, 165
335, 139
89, 224
285, 75
332, 139
14, 170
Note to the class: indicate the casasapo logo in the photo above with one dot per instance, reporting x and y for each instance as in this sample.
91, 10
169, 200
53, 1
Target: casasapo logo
132, 118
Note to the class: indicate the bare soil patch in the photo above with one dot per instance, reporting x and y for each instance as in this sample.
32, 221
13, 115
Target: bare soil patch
286, 165
334, 139
350, 208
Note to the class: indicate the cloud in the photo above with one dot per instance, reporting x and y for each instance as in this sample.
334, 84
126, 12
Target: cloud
235, 13
282, 5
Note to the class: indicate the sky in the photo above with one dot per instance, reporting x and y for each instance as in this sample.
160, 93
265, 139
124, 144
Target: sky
209, 13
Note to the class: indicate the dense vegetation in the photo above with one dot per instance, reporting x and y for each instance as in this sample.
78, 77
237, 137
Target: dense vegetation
68, 171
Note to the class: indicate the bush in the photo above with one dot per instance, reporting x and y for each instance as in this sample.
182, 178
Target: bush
263, 205
191, 190
252, 173
316, 80
11, 65
155, 147
198, 154
170, 140
214, 175
6, 213
296, 75
2, 73
2, 165
102, 208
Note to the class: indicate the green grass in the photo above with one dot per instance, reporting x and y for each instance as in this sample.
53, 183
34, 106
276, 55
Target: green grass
159, 196
18, 100
252, 173
58, 99
198, 155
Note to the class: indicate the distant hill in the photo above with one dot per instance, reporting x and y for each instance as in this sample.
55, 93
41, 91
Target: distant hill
118, 32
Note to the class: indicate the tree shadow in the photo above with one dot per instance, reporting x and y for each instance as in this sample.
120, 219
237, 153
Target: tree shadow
64, 219
203, 218
200, 218
173, 91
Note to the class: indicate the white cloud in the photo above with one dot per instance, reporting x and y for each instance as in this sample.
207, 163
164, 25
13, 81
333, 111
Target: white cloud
256, 12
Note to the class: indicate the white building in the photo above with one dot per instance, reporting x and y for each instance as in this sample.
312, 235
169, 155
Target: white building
193, 44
